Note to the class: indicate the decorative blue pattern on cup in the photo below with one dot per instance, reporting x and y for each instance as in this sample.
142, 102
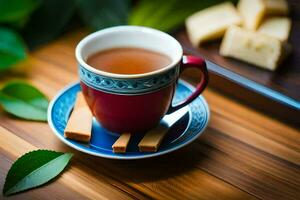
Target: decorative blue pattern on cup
128, 86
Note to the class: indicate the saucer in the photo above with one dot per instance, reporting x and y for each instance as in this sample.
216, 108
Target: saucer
183, 132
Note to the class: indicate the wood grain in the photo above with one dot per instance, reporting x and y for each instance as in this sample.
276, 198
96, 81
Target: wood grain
242, 155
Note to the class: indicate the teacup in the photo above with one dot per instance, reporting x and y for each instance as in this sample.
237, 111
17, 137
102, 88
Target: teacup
135, 102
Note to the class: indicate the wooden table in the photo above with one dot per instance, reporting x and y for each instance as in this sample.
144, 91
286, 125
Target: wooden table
243, 154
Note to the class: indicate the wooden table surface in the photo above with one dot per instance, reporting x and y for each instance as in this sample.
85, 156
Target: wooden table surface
243, 154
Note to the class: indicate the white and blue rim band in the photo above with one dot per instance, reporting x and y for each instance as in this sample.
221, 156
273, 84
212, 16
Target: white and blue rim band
128, 85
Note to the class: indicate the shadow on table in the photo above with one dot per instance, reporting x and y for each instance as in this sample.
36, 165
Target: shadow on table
144, 170
159, 168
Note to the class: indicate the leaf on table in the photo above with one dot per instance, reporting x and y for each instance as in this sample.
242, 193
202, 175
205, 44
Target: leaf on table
15, 10
48, 21
166, 15
23, 100
34, 169
12, 48
99, 14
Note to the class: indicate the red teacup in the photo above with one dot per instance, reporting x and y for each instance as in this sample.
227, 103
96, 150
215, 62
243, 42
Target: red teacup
137, 102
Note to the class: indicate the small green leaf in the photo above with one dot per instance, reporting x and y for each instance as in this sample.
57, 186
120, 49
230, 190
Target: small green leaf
15, 10
24, 101
34, 169
99, 14
48, 21
12, 48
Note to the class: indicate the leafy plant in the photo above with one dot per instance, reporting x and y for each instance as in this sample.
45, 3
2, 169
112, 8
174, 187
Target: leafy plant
34, 169
23, 100
48, 21
12, 48
12, 11
166, 15
40, 21
99, 14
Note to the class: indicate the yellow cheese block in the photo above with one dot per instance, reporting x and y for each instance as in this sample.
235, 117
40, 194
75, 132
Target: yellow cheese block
252, 47
252, 12
276, 7
278, 27
211, 23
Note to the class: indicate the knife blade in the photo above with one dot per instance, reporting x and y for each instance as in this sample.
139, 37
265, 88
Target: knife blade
172, 118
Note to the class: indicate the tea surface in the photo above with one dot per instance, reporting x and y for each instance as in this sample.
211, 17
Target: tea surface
128, 60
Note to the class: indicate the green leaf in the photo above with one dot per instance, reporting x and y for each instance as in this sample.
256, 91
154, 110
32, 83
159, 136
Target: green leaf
15, 10
34, 169
12, 48
166, 15
48, 21
99, 14
23, 100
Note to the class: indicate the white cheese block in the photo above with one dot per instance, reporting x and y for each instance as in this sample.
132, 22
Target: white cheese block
252, 47
276, 7
252, 12
278, 27
211, 23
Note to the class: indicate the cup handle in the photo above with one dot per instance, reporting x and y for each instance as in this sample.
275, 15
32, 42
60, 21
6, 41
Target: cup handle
192, 62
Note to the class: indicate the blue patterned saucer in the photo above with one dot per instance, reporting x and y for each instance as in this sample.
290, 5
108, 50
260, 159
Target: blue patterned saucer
183, 132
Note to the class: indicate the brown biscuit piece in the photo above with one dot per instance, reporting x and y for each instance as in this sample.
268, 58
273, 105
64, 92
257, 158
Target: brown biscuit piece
79, 126
153, 138
120, 145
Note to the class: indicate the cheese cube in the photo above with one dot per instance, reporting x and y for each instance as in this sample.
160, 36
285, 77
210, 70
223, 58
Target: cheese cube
278, 27
252, 12
252, 47
211, 23
276, 7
